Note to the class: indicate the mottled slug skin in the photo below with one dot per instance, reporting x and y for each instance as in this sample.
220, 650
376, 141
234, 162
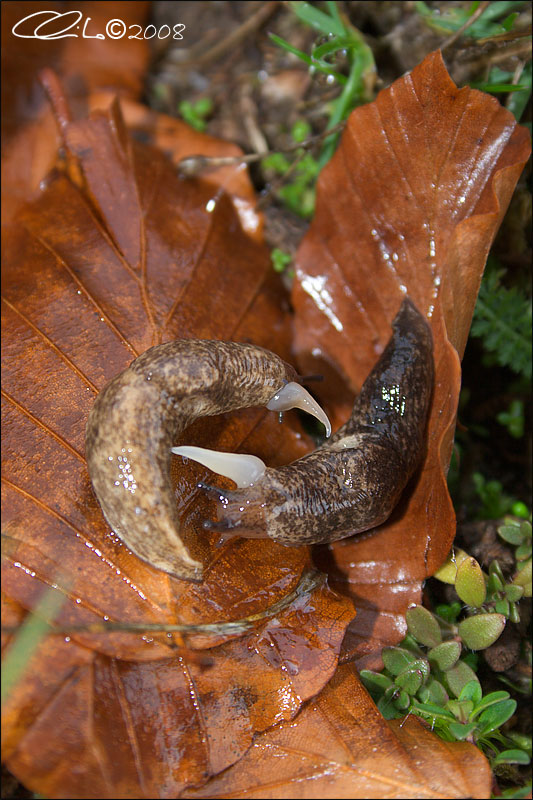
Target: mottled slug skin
137, 418
353, 481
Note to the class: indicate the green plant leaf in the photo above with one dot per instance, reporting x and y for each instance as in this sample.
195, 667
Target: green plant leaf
470, 583
458, 676
448, 571
375, 680
396, 659
423, 626
488, 701
482, 630
471, 691
523, 578
512, 532
461, 709
324, 23
432, 710
513, 592
444, 655
412, 677
495, 716
511, 757
461, 730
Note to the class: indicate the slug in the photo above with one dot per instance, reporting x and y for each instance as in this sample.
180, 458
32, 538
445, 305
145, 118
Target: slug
353, 481
138, 416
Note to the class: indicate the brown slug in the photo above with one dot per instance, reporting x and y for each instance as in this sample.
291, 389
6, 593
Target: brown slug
353, 481
138, 416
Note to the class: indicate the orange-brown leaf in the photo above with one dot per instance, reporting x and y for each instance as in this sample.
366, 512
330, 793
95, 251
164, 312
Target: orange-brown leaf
410, 204
98, 269
340, 746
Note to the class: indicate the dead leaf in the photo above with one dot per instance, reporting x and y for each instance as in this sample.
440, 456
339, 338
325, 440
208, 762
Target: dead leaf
95, 271
29, 132
410, 203
339, 746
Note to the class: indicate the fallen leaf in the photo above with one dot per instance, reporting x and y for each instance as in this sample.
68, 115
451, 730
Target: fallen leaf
409, 204
339, 746
29, 131
124, 255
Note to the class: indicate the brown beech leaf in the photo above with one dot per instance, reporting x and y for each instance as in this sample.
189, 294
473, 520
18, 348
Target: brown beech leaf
410, 204
85, 64
340, 746
117, 254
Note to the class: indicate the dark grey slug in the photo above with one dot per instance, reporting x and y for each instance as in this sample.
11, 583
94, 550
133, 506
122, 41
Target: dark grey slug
138, 416
353, 481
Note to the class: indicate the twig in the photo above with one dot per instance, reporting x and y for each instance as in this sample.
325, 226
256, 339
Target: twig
470, 21
192, 165
309, 581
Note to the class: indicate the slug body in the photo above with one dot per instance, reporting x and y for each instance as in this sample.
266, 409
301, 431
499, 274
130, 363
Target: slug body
137, 417
353, 481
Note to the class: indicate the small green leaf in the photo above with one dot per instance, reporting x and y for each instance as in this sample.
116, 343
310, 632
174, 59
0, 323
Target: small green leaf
513, 592
511, 533
524, 578
423, 626
502, 607
461, 709
413, 676
432, 710
495, 716
387, 708
300, 130
471, 691
280, 260
482, 630
437, 693
523, 552
449, 611
488, 701
511, 757
494, 584
514, 614
375, 680
448, 571
396, 659
461, 731
470, 583
444, 655
496, 570
458, 676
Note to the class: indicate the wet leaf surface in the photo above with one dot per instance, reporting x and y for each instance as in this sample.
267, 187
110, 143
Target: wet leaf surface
116, 255
409, 205
340, 746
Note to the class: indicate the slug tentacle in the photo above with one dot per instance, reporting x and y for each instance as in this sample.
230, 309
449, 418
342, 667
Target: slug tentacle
353, 481
138, 416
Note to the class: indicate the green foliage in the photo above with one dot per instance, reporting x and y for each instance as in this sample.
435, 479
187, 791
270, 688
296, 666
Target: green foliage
428, 677
280, 259
500, 81
495, 503
496, 19
513, 419
491, 597
433, 672
343, 40
502, 320
298, 193
195, 114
